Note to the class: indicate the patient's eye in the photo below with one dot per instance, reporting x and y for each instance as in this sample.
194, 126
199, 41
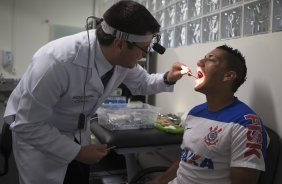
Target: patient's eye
211, 57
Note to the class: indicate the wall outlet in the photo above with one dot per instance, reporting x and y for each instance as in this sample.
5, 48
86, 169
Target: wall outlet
7, 58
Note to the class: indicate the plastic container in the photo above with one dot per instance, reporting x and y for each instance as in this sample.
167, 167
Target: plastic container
124, 116
115, 100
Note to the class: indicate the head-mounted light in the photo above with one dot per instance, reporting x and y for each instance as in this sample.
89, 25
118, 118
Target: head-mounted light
156, 46
133, 37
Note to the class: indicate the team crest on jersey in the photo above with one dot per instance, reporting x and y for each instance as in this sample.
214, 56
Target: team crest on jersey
212, 137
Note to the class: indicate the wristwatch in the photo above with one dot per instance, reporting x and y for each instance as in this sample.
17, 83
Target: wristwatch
166, 81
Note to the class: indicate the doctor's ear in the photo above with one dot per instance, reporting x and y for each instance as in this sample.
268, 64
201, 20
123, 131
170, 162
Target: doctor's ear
230, 76
118, 44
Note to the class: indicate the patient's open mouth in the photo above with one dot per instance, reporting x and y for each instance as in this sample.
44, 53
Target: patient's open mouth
200, 75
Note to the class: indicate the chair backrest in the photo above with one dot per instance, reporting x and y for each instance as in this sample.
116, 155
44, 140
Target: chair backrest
5, 147
278, 177
272, 158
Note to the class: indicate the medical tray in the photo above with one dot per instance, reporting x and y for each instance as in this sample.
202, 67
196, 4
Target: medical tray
124, 117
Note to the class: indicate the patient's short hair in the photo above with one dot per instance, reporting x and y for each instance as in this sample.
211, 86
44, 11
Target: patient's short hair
236, 62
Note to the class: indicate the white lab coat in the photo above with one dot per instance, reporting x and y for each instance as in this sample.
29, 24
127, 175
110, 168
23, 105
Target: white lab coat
49, 98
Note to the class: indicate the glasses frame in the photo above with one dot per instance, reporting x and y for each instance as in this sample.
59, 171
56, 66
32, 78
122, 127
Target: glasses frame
156, 38
143, 50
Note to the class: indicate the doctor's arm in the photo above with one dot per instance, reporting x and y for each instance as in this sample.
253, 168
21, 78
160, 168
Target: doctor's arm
140, 82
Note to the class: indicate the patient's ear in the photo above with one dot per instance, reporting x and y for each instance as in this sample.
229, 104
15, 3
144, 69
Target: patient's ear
230, 76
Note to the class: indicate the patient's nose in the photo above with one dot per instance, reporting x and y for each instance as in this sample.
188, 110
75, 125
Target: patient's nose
201, 62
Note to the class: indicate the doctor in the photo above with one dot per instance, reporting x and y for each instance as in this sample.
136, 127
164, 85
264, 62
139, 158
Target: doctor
50, 108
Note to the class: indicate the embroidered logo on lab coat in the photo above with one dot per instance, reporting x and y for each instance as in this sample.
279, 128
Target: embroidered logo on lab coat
81, 99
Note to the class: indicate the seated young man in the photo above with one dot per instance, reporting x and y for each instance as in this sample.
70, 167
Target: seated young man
224, 140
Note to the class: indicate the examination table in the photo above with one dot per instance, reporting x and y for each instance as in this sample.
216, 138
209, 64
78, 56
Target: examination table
130, 142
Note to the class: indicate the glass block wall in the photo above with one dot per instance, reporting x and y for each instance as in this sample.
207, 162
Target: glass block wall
187, 22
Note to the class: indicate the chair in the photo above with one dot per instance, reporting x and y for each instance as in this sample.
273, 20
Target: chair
272, 158
278, 177
5, 148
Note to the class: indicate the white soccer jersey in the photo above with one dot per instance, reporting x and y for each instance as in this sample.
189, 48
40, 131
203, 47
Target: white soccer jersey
215, 141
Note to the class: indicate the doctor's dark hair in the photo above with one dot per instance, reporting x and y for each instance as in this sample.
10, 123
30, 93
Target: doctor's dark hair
236, 62
130, 17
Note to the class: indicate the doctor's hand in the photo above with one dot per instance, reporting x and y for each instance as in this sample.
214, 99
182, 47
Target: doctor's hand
175, 73
91, 154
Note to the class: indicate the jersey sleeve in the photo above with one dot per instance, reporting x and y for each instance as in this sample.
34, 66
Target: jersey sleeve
248, 145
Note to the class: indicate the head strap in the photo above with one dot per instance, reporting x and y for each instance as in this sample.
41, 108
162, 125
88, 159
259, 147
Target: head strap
123, 35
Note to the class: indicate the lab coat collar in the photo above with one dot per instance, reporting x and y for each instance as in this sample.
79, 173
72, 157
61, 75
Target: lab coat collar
103, 65
97, 59
81, 58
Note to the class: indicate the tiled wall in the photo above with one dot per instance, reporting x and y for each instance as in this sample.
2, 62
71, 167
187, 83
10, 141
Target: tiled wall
187, 22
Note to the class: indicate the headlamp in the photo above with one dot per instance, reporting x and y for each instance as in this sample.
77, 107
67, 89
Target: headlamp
155, 39
156, 46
